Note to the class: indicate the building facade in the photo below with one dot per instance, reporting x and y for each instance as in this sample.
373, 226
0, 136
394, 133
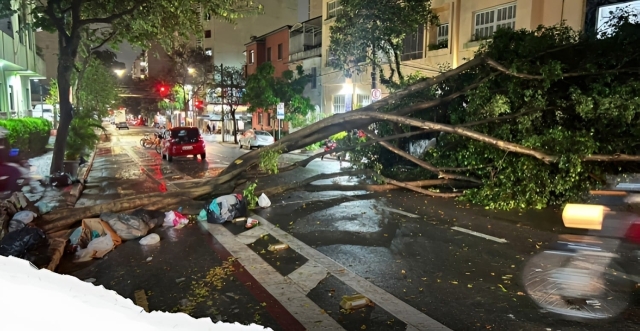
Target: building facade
139, 68
305, 49
271, 47
19, 63
224, 41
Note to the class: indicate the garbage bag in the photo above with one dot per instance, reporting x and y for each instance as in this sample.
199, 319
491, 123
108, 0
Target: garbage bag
150, 239
127, 227
226, 208
263, 201
175, 219
97, 248
15, 225
153, 218
24, 216
17, 243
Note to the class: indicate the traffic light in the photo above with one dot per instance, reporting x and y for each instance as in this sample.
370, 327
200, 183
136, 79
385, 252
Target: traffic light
199, 104
163, 90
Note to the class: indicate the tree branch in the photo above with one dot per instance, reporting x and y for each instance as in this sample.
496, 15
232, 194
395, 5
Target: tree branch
104, 41
113, 17
419, 162
504, 69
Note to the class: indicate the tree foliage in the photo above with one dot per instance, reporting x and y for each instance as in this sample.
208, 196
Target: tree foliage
264, 91
228, 89
553, 90
371, 32
98, 92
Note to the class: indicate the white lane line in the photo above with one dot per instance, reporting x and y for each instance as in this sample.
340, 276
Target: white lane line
400, 212
290, 295
481, 235
250, 236
386, 301
308, 276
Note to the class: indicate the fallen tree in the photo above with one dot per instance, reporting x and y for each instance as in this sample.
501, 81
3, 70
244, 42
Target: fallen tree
535, 118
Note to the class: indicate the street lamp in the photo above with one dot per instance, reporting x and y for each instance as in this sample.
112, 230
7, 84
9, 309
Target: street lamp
119, 72
191, 70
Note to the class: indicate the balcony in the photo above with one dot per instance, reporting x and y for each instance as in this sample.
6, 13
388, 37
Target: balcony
20, 58
299, 56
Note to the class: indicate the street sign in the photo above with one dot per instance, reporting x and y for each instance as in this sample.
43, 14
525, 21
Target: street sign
376, 94
280, 111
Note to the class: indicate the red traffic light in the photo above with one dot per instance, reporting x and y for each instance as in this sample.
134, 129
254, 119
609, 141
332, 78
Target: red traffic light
163, 90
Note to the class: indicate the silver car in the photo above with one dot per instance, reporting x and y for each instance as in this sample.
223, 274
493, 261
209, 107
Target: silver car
255, 138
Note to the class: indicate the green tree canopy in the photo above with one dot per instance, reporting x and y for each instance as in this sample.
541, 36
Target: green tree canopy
371, 32
265, 91
568, 101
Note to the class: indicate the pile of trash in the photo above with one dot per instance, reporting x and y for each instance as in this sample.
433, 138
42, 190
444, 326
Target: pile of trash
96, 237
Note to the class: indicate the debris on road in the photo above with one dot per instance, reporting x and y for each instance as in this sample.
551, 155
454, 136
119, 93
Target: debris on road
141, 299
90, 280
357, 301
151, 239
175, 219
251, 222
128, 227
278, 247
263, 201
224, 209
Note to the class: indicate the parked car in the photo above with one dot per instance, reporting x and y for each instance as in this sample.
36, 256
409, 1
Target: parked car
122, 125
255, 138
182, 141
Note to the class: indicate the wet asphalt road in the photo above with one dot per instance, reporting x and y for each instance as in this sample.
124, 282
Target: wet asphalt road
402, 242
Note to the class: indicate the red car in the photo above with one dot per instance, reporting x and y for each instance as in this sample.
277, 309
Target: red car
182, 141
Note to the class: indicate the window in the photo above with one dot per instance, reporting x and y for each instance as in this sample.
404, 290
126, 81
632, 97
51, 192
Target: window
27, 99
338, 103
259, 115
363, 100
268, 53
333, 9
269, 119
443, 33
413, 45
207, 17
208, 51
487, 22
279, 52
11, 105
314, 78
207, 33
252, 57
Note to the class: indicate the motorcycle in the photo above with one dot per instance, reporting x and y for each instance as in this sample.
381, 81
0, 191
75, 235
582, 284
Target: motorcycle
587, 277
12, 174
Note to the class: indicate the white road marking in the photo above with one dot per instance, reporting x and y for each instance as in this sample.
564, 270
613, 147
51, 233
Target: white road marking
481, 235
288, 293
308, 276
250, 236
400, 212
386, 301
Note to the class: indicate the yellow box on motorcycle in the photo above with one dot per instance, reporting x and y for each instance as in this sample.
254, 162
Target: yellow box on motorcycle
581, 216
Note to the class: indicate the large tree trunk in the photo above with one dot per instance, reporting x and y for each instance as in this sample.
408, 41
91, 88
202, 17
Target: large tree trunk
235, 125
66, 60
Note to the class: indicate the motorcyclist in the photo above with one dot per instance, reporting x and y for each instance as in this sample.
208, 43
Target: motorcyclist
9, 173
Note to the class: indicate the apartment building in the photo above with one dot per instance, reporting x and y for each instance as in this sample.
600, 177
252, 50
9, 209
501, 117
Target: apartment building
19, 63
270, 47
305, 49
139, 67
225, 41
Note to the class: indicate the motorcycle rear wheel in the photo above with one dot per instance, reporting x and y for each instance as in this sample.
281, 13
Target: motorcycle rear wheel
539, 284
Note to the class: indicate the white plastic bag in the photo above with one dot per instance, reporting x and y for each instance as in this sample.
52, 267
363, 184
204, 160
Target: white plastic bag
97, 248
175, 219
24, 216
168, 218
150, 239
263, 201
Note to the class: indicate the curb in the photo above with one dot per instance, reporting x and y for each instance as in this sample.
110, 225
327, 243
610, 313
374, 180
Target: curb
76, 191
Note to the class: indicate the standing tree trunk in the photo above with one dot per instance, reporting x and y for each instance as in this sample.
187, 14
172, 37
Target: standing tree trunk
66, 64
235, 125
